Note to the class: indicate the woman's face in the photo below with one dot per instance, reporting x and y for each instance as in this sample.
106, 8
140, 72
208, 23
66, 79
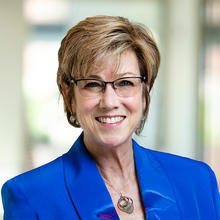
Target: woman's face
125, 112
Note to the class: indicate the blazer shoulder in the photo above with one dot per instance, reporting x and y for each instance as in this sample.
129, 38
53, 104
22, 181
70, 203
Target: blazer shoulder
40, 193
175, 161
175, 165
189, 171
187, 174
39, 177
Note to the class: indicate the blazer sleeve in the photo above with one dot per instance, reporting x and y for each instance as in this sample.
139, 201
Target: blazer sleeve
215, 192
15, 203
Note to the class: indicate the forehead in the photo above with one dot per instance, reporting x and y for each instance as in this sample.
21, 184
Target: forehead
116, 64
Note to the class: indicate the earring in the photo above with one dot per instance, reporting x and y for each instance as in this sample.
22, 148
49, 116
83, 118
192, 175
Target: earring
74, 120
141, 125
143, 118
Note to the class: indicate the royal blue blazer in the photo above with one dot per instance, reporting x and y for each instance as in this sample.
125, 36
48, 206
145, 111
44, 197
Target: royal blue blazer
71, 187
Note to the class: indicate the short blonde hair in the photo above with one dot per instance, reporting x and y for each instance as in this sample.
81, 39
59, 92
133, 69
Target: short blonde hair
96, 37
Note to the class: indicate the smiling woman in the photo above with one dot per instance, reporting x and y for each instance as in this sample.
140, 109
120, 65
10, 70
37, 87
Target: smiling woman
107, 68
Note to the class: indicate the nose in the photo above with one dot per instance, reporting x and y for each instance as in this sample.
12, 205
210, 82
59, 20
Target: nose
109, 99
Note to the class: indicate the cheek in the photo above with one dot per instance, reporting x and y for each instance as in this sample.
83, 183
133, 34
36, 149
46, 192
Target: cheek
135, 104
85, 108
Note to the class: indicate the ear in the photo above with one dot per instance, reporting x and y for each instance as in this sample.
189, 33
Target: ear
146, 89
68, 99
73, 105
144, 103
64, 89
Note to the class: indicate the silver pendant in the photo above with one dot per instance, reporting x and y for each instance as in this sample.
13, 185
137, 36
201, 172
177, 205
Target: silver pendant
125, 204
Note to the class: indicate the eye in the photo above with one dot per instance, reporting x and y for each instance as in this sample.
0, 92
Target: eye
92, 84
126, 83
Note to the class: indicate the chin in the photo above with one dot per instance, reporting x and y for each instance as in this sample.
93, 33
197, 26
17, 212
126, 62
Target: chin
113, 141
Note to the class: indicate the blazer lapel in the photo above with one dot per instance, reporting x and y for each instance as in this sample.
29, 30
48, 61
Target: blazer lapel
158, 197
91, 199
85, 185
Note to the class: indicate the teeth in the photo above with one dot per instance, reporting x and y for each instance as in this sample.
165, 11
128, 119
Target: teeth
110, 120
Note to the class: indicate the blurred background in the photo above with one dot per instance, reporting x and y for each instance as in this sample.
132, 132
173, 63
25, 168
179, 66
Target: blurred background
184, 117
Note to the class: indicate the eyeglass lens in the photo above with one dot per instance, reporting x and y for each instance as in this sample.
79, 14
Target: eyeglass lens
125, 87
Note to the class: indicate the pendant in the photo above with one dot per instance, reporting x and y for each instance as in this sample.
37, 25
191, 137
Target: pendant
125, 204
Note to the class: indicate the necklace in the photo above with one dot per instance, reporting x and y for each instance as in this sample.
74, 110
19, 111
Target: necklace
125, 203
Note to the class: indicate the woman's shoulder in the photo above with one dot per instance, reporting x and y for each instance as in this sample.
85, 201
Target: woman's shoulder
177, 162
192, 182
38, 177
179, 166
41, 190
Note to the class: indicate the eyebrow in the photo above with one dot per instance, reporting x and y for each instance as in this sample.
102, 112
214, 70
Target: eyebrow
118, 74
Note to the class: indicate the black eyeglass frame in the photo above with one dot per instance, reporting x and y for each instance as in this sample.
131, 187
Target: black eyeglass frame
143, 79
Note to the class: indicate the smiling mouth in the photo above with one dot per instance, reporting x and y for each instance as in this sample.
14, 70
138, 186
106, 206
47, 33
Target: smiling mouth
110, 120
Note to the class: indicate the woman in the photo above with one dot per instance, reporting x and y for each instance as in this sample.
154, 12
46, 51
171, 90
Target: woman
107, 67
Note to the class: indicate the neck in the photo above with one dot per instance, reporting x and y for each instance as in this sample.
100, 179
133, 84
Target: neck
116, 165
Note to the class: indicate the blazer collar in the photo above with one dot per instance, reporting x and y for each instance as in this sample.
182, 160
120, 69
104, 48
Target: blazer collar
91, 198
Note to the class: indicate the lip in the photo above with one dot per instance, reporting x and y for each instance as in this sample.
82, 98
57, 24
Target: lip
110, 125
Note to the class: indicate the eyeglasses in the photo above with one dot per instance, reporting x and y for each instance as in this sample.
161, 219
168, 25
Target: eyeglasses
124, 87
